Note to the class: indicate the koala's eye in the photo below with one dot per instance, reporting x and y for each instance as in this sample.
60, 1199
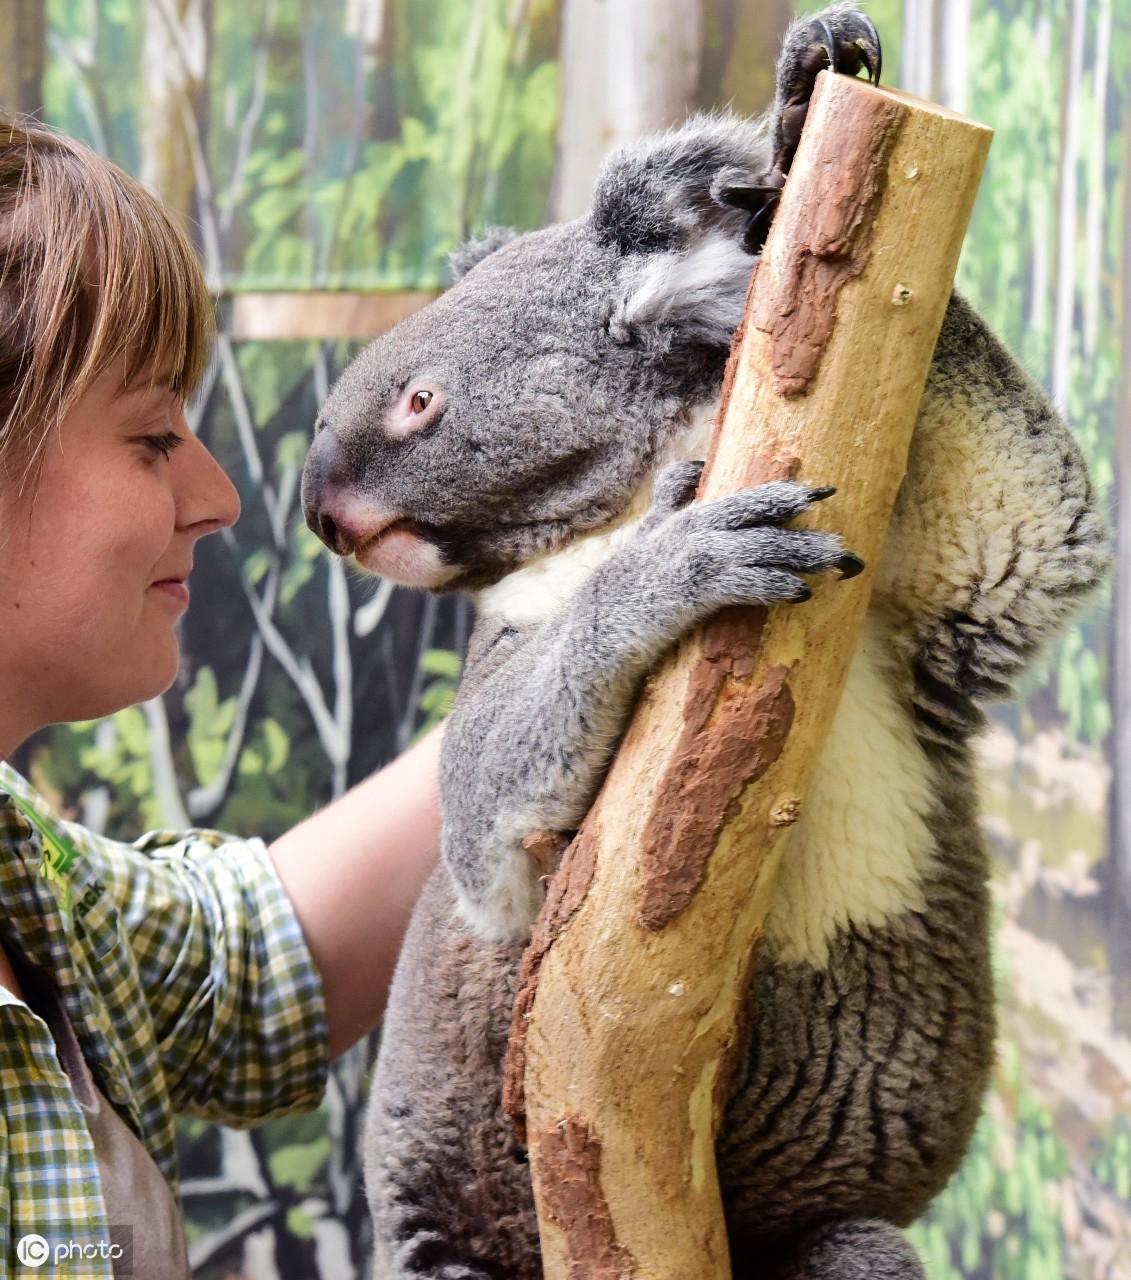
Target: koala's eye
420, 401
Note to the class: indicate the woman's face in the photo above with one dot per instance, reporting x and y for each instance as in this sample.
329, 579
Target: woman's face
93, 561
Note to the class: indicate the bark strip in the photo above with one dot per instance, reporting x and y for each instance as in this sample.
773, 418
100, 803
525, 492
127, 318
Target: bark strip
577, 1204
829, 232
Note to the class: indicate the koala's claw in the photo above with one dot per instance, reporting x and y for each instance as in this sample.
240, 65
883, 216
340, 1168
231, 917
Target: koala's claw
829, 42
869, 51
850, 565
854, 43
847, 56
771, 503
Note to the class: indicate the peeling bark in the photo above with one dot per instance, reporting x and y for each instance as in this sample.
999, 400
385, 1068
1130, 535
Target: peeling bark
577, 1204
566, 893
829, 233
727, 743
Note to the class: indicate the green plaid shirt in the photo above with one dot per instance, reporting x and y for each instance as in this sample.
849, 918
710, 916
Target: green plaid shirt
182, 967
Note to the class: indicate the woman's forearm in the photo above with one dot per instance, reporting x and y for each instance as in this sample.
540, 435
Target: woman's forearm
353, 871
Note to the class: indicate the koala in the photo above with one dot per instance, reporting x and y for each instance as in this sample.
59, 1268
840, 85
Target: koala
532, 438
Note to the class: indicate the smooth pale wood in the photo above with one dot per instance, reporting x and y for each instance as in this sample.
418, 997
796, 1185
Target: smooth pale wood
278, 317
627, 1039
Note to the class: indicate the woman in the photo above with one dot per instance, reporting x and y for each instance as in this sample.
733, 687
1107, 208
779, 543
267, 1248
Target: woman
187, 973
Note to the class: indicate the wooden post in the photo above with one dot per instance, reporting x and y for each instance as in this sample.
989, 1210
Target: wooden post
23, 46
634, 978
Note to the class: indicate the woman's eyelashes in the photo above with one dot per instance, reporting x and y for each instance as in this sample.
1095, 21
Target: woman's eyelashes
164, 443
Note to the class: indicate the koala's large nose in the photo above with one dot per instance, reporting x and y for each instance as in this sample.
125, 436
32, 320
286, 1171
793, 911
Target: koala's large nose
339, 515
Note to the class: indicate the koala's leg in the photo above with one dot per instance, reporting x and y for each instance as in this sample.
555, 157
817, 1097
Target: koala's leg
866, 1250
447, 1183
540, 711
996, 534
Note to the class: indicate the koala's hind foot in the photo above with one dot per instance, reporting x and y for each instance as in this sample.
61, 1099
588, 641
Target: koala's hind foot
859, 1250
839, 39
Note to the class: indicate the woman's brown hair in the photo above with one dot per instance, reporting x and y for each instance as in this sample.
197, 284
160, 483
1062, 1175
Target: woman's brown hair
94, 275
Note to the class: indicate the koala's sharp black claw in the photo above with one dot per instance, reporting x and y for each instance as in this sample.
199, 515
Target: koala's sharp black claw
804, 592
759, 200
871, 54
820, 494
758, 227
829, 42
753, 197
850, 565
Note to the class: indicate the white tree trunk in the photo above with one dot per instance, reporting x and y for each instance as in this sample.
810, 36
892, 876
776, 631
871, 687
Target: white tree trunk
1093, 216
365, 21
1066, 270
628, 67
173, 57
1039, 262
917, 71
1121, 619
22, 47
954, 59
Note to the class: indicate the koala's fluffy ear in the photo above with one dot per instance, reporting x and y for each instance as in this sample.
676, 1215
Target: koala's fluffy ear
684, 297
666, 192
472, 252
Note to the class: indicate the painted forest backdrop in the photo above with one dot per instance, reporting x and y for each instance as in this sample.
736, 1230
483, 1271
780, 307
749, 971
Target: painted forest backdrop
327, 156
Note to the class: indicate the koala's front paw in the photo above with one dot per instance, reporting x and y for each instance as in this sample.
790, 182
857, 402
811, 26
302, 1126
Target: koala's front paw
839, 38
730, 550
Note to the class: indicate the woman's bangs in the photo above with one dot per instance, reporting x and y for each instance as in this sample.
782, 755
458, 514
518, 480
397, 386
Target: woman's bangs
154, 310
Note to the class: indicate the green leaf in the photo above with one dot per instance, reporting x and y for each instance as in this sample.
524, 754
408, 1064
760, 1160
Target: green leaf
276, 744
298, 1164
284, 170
441, 662
300, 1223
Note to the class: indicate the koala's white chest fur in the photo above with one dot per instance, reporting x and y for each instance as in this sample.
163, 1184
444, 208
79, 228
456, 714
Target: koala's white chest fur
859, 853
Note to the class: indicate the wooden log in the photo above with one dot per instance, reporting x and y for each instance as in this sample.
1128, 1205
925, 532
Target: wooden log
634, 978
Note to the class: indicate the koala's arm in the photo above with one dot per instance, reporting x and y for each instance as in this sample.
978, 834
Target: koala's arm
541, 708
996, 535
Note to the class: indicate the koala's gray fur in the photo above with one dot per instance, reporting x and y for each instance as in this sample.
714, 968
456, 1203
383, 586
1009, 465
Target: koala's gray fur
573, 364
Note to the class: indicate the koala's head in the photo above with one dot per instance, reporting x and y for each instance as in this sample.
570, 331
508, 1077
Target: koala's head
528, 403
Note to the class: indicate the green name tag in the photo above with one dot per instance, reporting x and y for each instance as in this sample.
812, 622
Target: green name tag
59, 854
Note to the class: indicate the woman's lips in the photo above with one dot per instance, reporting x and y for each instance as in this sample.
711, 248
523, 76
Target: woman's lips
173, 588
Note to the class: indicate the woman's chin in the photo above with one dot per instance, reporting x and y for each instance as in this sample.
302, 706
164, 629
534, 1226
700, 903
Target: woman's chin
153, 675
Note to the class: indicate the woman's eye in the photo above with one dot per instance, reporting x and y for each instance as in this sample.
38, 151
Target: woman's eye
420, 401
164, 444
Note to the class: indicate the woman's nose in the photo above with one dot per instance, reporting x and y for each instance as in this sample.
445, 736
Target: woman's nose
208, 499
